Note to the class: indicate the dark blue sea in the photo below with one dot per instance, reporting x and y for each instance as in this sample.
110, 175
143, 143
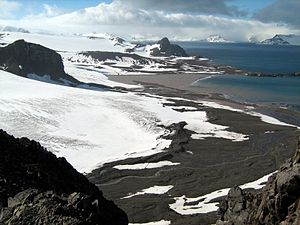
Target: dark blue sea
249, 57
283, 91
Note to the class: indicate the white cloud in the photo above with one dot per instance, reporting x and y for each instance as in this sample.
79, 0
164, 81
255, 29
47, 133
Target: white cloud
118, 18
51, 10
8, 8
216, 7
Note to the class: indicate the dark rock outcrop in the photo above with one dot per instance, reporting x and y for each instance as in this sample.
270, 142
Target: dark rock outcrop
36, 187
179, 136
118, 56
168, 49
23, 58
36, 61
277, 203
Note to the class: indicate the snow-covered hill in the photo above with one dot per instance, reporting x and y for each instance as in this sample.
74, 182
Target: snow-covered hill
216, 39
65, 43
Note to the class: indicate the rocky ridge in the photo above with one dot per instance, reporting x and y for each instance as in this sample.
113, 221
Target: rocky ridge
277, 203
36, 187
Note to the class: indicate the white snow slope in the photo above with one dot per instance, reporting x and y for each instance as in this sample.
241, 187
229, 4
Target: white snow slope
90, 127
87, 127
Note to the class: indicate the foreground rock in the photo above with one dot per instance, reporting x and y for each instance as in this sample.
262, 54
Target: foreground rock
167, 49
277, 203
36, 187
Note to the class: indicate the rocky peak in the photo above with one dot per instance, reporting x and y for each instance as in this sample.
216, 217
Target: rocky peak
164, 43
167, 49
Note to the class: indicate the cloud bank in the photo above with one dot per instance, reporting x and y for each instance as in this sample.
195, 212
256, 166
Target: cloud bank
177, 19
282, 11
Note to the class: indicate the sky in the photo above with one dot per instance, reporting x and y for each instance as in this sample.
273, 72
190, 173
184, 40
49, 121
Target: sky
236, 20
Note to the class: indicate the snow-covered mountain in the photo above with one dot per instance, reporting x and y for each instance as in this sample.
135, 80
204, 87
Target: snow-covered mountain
276, 40
117, 41
13, 29
283, 39
216, 39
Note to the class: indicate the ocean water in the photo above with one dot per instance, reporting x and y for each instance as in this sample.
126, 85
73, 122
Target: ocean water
282, 91
247, 56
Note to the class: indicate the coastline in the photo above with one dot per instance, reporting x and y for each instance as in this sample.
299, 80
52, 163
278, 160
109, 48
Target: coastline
197, 167
183, 83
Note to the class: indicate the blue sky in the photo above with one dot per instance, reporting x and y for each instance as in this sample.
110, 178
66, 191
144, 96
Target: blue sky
252, 5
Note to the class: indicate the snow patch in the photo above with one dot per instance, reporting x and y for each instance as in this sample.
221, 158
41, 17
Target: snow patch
203, 204
155, 190
141, 166
161, 222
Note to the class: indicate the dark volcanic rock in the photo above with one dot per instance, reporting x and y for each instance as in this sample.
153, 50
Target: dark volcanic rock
36, 187
277, 203
168, 49
23, 58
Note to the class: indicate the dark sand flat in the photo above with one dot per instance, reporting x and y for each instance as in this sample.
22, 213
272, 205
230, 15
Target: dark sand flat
178, 81
205, 165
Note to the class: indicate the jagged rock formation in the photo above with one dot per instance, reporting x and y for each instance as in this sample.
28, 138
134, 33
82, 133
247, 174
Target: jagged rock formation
277, 203
23, 58
167, 49
36, 187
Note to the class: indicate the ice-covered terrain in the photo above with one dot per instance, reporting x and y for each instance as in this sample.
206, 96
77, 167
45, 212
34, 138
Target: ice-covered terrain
118, 57
92, 127
87, 127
